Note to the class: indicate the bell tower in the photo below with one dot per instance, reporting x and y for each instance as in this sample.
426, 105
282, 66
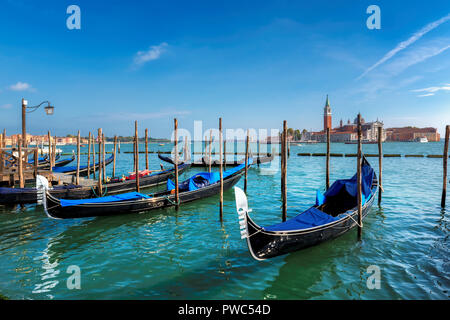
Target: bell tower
327, 115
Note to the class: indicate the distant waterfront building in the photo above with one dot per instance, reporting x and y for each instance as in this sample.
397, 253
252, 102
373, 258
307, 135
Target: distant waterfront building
412, 134
348, 132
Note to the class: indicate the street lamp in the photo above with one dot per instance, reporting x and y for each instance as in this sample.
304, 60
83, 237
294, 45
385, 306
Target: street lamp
49, 110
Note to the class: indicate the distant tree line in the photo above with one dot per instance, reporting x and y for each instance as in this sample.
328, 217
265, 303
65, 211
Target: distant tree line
295, 134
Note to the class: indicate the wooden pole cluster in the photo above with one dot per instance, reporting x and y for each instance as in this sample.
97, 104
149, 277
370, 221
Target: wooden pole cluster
246, 162
328, 159
136, 155
284, 171
221, 169
380, 165
177, 197
359, 178
444, 186
100, 169
77, 179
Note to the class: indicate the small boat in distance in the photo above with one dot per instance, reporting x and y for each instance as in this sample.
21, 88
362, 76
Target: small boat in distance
334, 213
422, 139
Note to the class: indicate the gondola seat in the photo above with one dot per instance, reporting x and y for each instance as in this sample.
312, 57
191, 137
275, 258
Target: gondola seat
312, 217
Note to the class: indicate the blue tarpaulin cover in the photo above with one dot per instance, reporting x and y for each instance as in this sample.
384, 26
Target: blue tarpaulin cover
310, 218
351, 186
119, 197
313, 217
203, 179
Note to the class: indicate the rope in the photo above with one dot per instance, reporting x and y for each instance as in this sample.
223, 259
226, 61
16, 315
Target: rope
172, 202
95, 193
348, 215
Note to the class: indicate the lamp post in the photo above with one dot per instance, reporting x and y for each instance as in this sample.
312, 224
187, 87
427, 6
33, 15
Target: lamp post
25, 109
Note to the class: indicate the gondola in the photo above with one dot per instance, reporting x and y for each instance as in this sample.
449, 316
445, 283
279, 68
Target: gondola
41, 160
64, 162
199, 186
334, 213
10, 196
59, 163
83, 169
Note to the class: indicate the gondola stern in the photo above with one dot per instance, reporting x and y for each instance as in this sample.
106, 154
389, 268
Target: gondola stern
243, 210
42, 186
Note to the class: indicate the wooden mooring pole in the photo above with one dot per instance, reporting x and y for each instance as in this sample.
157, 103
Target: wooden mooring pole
36, 162
89, 157
225, 154
380, 165
114, 156
93, 156
20, 163
246, 162
358, 179
103, 157
444, 186
284, 155
136, 155
54, 151
328, 159
49, 151
187, 156
100, 187
177, 196
257, 152
77, 177
146, 149
221, 169
210, 149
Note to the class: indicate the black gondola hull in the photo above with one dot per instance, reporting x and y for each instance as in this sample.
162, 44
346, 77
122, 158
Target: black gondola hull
265, 244
160, 200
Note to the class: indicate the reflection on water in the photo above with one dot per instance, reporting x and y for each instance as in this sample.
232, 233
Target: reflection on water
189, 254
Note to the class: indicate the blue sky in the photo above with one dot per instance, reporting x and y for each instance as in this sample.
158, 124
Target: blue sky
254, 63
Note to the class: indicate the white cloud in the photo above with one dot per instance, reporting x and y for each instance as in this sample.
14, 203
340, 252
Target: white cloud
6, 106
153, 53
21, 86
416, 56
426, 95
404, 44
431, 91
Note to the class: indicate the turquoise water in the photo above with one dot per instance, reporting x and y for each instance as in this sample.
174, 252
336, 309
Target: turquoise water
189, 254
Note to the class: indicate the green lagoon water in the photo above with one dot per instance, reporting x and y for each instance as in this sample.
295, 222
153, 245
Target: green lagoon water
189, 254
